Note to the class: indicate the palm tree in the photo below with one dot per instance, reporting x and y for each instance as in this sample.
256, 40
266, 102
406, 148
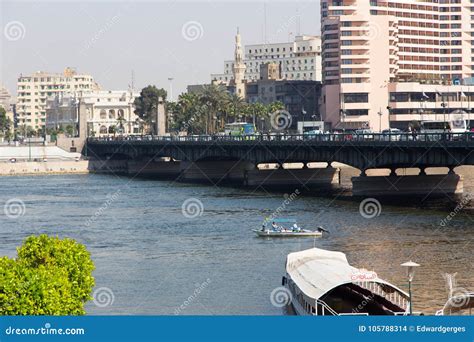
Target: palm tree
214, 97
120, 122
236, 106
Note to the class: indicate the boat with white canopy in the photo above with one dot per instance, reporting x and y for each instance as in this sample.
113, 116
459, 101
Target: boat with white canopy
323, 283
284, 227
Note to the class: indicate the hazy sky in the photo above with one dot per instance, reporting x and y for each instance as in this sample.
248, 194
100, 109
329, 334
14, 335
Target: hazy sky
157, 39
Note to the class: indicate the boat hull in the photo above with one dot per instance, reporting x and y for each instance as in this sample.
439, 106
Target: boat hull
267, 233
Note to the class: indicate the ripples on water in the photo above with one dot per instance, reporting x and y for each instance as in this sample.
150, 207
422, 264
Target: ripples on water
153, 258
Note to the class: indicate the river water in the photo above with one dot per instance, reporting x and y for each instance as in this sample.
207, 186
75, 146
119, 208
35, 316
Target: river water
152, 259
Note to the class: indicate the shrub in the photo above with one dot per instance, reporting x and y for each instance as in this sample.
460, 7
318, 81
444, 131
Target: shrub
51, 276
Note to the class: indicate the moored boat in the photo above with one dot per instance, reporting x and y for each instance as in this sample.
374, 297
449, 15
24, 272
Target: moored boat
323, 283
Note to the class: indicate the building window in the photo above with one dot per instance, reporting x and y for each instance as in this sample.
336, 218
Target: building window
103, 114
356, 98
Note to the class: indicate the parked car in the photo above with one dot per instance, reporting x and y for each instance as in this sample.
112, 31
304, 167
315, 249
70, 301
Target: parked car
363, 134
391, 134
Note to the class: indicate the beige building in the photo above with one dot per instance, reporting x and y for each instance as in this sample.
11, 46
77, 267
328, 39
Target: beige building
108, 112
7, 103
382, 58
33, 91
297, 60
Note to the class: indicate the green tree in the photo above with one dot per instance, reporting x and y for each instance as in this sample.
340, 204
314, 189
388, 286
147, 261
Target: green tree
146, 105
120, 123
189, 114
69, 130
5, 122
51, 276
236, 106
215, 98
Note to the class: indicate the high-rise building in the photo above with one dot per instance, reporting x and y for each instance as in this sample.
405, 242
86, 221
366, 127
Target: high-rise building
297, 60
372, 49
33, 91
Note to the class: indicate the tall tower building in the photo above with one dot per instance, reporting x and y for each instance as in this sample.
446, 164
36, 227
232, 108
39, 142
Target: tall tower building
239, 67
368, 46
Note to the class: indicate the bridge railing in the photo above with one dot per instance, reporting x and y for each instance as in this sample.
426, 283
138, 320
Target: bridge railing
323, 137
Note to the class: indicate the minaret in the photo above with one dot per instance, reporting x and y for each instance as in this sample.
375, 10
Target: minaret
239, 67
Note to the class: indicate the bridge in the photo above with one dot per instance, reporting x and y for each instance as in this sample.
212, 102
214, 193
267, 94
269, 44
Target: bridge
364, 152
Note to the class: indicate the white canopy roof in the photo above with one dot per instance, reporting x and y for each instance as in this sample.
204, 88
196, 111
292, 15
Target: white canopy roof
317, 271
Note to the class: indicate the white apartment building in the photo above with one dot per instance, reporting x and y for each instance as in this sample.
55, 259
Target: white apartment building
108, 112
298, 60
33, 91
381, 58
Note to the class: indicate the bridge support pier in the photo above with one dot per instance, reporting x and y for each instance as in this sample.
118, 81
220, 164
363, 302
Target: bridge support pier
215, 172
152, 168
302, 179
421, 185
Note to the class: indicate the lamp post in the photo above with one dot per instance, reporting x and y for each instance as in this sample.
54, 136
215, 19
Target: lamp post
444, 105
410, 266
170, 79
389, 110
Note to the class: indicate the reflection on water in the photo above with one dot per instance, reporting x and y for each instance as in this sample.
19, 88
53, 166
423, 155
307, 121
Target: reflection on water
154, 258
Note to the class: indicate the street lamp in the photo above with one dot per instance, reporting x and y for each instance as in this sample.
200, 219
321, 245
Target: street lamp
411, 274
170, 79
444, 105
389, 110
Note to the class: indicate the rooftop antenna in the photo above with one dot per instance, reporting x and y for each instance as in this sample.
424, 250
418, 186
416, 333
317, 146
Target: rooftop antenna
133, 81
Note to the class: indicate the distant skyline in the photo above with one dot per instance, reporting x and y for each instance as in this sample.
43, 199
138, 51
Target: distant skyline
158, 40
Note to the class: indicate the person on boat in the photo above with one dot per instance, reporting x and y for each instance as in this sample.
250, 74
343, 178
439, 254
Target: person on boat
274, 226
296, 228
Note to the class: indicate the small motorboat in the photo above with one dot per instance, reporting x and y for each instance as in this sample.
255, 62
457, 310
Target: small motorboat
286, 228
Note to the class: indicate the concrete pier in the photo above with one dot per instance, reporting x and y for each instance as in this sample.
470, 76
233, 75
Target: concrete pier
421, 185
324, 178
215, 172
158, 169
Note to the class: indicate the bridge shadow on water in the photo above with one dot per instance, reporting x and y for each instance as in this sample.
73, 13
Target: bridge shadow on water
436, 202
